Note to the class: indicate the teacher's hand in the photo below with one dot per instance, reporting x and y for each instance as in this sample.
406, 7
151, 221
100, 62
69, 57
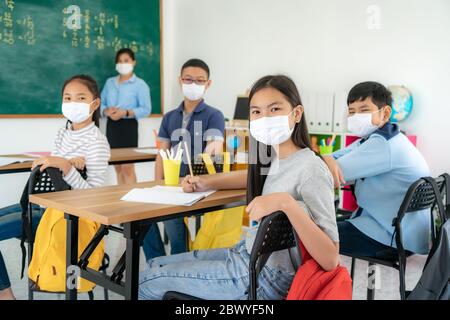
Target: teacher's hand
118, 114
110, 110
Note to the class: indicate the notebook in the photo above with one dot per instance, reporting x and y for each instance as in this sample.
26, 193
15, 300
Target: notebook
165, 195
10, 160
37, 154
147, 150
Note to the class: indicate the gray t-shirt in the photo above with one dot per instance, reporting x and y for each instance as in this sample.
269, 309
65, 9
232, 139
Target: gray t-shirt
307, 179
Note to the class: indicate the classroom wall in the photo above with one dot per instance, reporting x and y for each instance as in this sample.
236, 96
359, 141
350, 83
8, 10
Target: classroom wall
324, 45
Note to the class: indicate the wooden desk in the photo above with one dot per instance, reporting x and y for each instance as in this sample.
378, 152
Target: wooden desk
103, 205
118, 156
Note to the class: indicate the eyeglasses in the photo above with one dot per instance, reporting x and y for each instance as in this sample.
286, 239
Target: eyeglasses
190, 81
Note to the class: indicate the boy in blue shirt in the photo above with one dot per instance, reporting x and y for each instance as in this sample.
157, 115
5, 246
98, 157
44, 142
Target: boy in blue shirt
202, 127
383, 164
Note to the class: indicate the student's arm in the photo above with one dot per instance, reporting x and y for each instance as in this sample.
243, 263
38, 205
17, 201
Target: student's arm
218, 181
214, 134
339, 153
319, 245
313, 218
371, 158
144, 107
214, 147
159, 171
97, 159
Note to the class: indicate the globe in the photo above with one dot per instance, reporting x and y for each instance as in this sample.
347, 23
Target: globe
402, 103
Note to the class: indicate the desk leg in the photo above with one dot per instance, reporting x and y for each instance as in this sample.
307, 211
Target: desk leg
132, 235
71, 256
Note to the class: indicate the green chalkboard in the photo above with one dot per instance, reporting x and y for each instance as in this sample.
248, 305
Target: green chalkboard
44, 42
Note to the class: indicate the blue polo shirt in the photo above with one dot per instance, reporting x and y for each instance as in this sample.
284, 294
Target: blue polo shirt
383, 166
204, 124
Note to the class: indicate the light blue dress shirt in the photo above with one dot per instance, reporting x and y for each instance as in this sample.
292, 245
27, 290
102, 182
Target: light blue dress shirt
133, 94
383, 166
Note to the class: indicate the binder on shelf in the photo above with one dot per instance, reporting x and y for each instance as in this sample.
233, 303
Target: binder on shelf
340, 112
324, 112
309, 103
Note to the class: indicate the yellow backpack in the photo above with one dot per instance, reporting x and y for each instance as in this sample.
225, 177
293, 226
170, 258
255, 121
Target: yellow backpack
219, 229
48, 264
222, 228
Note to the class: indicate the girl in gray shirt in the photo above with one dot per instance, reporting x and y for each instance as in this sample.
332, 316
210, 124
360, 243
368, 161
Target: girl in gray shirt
284, 174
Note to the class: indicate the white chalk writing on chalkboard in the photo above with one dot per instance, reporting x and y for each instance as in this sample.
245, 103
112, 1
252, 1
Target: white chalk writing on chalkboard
12, 28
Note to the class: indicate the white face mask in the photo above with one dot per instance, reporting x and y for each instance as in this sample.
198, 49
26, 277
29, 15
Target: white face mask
271, 131
77, 112
124, 68
361, 124
193, 92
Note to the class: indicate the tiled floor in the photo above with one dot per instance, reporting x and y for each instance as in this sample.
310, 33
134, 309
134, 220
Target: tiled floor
387, 285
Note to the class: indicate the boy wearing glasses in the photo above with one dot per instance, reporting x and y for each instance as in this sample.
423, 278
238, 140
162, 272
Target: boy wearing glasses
202, 127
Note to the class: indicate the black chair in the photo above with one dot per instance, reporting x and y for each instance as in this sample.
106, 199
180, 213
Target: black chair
425, 193
50, 180
275, 233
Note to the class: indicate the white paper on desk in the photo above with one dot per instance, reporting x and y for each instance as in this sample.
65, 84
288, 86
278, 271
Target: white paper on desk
165, 195
8, 160
147, 150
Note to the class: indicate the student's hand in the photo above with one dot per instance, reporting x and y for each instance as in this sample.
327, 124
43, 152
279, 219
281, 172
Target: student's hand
52, 162
79, 163
336, 171
192, 184
265, 205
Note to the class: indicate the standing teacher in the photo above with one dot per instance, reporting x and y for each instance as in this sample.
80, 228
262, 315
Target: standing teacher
125, 98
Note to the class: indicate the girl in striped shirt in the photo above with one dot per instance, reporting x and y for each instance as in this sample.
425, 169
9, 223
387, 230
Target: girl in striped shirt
79, 145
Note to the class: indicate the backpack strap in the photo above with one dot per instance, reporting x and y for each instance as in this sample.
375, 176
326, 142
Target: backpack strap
441, 210
437, 193
26, 227
446, 177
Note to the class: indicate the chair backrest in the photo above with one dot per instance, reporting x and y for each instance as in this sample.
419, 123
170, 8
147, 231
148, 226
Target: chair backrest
199, 166
49, 180
275, 233
420, 196
423, 194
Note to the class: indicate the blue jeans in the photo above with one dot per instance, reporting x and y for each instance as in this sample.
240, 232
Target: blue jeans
11, 227
11, 221
217, 274
176, 232
4, 279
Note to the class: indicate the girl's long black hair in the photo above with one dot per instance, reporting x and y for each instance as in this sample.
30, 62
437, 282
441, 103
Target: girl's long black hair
300, 135
92, 86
